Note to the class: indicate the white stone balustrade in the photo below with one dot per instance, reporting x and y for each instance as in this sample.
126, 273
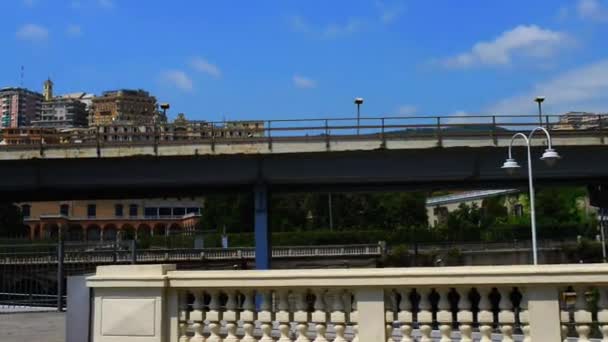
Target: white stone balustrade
158, 303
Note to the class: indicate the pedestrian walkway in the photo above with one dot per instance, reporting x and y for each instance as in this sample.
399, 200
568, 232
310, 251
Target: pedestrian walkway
40, 326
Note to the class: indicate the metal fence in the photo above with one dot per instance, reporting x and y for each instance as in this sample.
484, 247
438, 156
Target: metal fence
269, 131
33, 276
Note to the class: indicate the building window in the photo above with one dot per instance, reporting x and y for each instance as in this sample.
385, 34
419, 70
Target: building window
150, 212
25, 210
164, 211
193, 210
179, 211
64, 209
91, 210
132, 209
118, 210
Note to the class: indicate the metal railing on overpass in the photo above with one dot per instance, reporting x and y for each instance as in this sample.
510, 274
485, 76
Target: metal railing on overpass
332, 129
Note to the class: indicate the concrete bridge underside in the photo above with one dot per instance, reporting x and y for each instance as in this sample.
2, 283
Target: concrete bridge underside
378, 169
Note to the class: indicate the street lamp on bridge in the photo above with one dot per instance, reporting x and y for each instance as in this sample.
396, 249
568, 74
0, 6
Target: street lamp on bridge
550, 157
358, 102
539, 100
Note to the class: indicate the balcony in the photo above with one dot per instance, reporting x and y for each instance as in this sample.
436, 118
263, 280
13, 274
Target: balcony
496, 303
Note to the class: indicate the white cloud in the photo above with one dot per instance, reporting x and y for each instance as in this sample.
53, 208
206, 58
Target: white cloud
406, 110
389, 13
592, 10
335, 30
74, 31
304, 82
528, 41
332, 30
458, 117
108, 4
178, 79
202, 65
580, 89
32, 32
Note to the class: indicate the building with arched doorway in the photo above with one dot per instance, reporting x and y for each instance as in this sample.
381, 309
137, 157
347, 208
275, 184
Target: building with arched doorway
106, 220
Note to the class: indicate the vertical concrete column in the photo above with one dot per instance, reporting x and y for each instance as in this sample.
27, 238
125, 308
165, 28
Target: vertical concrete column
262, 235
370, 308
543, 306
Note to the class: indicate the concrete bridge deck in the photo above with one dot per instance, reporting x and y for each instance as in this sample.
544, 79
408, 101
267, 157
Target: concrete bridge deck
290, 144
297, 157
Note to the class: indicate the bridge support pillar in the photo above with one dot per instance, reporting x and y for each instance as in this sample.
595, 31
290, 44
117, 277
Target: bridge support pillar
262, 234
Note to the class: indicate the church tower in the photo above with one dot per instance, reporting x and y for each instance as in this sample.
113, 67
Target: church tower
48, 90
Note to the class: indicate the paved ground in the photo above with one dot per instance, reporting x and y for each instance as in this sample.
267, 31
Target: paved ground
43, 326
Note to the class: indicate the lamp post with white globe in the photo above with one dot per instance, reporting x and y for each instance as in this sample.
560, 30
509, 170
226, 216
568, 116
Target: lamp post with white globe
550, 157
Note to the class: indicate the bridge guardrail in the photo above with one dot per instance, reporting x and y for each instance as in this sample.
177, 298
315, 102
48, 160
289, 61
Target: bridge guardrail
326, 129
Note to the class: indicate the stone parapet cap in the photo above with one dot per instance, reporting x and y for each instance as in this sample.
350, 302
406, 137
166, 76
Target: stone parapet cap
527, 275
131, 276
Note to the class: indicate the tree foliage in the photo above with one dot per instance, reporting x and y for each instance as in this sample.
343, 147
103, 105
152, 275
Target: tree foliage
11, 220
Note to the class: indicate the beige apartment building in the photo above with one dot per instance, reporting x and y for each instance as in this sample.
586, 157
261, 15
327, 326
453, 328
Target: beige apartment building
107, 220
125, 105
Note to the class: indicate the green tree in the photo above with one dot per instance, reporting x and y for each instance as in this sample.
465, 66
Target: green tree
463, 224
11, 221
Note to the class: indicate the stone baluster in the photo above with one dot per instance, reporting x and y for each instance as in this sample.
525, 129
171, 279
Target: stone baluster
485, 317
444, 315
602, 313
265, 316
354, 318
464, 317
524, 315
338, 315
197, 316
319, 316
506, 314
214, 316
283, 316
231, 316
405, 316
248, 316
183, 332
301, 316
424, 316
390, 308
564, 316
582, 316
183, 316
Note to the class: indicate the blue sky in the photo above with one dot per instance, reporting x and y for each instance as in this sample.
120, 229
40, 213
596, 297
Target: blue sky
277, 59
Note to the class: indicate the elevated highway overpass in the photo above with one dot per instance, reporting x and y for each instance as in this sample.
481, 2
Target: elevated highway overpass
309, 155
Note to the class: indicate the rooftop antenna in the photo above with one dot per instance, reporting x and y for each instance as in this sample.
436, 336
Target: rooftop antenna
21, 76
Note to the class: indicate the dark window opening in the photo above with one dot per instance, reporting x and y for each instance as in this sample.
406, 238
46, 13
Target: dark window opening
25, 210
118, 210
132, 209
91, 210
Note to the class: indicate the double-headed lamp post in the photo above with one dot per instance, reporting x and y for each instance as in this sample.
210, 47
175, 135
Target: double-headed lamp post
550, 157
